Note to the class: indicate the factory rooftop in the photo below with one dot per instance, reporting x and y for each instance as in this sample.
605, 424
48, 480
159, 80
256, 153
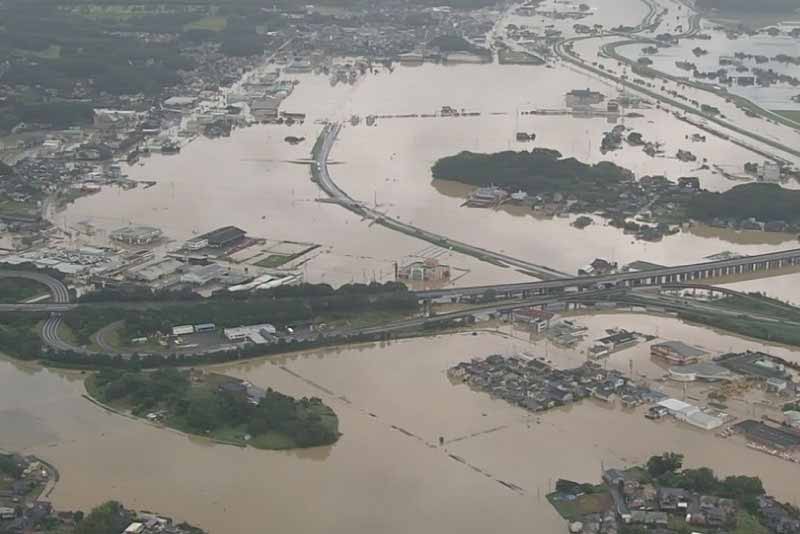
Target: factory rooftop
776, 438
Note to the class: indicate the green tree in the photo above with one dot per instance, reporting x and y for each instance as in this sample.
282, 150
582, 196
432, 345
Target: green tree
669, 462
108, 518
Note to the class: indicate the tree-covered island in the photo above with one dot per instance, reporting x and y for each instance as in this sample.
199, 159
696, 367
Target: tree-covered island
217, 406
648, 207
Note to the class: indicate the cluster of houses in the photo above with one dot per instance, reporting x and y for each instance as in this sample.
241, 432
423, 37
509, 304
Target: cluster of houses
628, 501
385, 31
21, 481
534, 385
638, 502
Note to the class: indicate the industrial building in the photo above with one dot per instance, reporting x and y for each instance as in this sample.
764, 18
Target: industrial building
224, 237
691, 414
583, 98
619, 340
770, 172
428, 270
260, 334
201, 275
136, 235
703, 371
534, 318
186, 329
154, 270
755, 364
769, 436
182, 330
677, 352
265, 109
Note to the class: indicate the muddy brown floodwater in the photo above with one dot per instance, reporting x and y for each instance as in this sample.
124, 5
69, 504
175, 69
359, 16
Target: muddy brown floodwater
387, 473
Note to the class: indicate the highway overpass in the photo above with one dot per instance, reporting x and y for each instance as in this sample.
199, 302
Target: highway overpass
761, 264
320, 174
60, 296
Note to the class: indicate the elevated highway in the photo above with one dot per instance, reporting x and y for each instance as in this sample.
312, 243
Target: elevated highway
320, 174
761, 264
61, 298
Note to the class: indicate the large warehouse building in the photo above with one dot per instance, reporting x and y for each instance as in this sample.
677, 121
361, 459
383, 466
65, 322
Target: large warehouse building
224, 237
677, 352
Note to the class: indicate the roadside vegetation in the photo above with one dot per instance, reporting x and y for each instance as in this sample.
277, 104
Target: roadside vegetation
759, 304
19, 334
159, 312
218, 407
772, 331
14, 290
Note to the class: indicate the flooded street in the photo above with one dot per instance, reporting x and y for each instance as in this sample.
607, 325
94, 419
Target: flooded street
394, 401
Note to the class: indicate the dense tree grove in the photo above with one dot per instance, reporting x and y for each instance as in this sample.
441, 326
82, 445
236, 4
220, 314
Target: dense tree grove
9, 466
669, 462
538, 171
202, 410
19, 336
107, 518
764, 202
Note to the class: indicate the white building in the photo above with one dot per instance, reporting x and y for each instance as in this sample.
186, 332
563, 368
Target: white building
770, 172
257, 333
195, 244
182, 330
693, 415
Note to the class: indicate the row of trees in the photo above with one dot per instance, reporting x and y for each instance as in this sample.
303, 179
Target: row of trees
281, 306
142, 294
81, 360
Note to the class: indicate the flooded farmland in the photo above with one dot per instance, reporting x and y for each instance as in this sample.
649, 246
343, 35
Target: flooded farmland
394, 402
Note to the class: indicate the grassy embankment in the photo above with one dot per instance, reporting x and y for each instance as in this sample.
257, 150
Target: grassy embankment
791, 114
783, 329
